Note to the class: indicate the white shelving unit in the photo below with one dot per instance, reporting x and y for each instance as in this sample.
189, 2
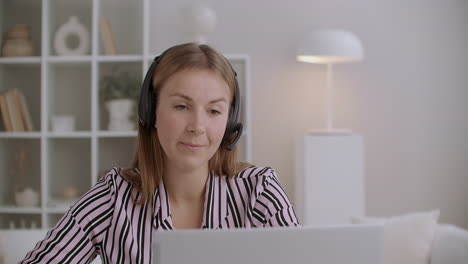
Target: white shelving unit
55, 85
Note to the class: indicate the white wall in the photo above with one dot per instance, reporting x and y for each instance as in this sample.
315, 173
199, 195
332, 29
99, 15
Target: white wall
407, 97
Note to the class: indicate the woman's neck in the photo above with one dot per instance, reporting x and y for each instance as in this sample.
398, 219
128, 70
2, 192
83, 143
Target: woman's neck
185, 186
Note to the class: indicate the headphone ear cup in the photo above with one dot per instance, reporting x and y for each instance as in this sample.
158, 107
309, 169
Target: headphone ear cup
142, 105
146, 108
146, 104
233, 127
151, 122
229, 127
235, 135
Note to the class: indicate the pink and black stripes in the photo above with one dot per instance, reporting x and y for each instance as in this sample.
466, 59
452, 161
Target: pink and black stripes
106, 221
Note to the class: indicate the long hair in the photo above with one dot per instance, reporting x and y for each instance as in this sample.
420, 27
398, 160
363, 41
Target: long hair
147, 167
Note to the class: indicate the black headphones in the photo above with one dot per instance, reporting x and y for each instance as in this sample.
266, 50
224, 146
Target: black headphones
147, 107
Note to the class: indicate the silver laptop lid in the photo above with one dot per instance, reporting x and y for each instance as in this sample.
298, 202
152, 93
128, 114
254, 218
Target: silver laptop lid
353, 244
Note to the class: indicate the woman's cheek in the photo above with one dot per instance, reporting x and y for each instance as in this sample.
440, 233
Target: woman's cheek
220, 130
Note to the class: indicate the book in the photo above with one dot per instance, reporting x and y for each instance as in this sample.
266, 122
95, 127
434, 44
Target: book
107, 37
25, 114
14, 110
5, 114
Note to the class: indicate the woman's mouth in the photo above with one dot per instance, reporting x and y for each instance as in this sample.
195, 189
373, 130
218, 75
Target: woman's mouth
192, 147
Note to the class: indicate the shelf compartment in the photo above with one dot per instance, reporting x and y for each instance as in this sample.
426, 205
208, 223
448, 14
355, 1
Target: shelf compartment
20, 221
60, 12
118, 72
69, 168
69, 93
109, 157
53, 219
22, 12
20, 167
12, 76
127, 33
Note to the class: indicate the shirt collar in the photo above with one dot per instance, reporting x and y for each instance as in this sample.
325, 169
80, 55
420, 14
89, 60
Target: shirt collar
215, 208
161, 207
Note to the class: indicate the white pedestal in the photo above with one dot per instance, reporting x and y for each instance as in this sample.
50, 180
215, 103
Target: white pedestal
330, 182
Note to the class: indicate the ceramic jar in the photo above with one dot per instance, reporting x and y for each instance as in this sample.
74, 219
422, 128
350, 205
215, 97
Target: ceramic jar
27, 198
63, 123
18, 42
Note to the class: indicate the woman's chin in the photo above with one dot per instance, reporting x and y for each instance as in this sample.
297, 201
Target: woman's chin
190, 164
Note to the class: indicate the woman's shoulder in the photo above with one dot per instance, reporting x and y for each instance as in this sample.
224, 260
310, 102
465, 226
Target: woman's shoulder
116, 175
110, 176
253, 181
252, 171
104, 191
112, 182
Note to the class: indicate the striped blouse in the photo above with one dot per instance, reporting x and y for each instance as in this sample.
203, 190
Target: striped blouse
105, 221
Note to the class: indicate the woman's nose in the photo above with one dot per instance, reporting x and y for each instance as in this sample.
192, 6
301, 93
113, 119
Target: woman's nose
196, 122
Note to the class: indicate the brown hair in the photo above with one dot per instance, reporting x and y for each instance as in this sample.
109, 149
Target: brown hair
147, 167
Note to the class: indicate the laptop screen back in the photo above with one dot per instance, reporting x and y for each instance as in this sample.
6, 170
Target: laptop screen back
354, 244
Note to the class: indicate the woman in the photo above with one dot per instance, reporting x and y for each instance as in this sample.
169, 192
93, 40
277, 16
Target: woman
184, 174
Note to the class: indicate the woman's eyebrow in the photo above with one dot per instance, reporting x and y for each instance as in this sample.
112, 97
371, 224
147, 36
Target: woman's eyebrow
188, 98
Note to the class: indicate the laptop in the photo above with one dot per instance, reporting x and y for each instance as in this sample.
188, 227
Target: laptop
349, 244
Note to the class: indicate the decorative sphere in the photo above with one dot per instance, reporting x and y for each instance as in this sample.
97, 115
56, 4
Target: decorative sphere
198, 20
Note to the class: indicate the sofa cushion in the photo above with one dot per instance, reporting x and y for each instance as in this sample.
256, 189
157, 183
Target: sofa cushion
407, 238
450, 245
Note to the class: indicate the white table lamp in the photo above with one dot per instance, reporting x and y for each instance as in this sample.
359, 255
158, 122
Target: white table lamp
330, 47
330, 181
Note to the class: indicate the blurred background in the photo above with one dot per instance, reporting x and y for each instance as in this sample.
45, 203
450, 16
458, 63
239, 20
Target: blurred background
406, 98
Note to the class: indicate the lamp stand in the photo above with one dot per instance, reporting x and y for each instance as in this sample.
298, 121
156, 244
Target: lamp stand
329, 130
329, 96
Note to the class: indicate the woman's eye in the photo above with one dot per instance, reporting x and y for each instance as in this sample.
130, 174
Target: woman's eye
180, 107
215, 112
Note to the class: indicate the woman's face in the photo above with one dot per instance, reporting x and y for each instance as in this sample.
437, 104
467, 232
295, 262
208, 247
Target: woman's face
191, 117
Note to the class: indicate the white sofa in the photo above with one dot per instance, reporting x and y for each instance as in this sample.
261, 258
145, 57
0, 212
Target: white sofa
450, 245
15, 244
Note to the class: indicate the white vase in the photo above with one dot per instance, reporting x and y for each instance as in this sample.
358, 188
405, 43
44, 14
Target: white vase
72, 27
120, 114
